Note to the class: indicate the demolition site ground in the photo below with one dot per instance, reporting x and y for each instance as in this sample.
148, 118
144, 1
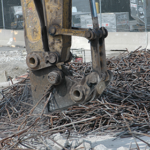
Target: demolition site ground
118, 120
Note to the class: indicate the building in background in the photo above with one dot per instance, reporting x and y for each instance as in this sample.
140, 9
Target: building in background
107, 5
117, 16
1, 17
11, 16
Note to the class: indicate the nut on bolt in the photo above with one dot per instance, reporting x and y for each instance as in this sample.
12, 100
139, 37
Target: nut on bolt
55, 77
32, 61
88, 34
52, 30
53, 58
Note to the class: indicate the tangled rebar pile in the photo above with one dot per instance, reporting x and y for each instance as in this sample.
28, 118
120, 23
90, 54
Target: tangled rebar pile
124, 107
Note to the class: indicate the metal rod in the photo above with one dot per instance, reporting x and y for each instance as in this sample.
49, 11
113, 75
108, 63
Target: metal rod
93, 8
145, 16
3, 14
44, 8
100, 11
102, 53
95, 43
95, 56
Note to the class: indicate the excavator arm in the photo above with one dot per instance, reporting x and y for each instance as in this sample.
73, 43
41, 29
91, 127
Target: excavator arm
48, 34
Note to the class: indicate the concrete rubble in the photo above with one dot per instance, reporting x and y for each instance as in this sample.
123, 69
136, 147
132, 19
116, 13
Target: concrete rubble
3, 76
100, 147
122, 148
91, 143
81, 144
12, 61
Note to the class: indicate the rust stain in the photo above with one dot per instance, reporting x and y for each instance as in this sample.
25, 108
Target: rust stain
33, 31
33, 23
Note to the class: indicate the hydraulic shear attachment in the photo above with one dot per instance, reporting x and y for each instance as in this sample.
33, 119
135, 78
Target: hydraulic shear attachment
48, 34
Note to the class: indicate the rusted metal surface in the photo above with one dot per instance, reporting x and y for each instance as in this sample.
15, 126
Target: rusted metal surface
95, 43
59, 13
102, 51
36, 45
48, 40
55, 78
33, 28
56, 30
90, 34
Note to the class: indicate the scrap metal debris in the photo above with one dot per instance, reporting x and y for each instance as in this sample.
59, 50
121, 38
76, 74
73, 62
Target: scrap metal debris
124, 107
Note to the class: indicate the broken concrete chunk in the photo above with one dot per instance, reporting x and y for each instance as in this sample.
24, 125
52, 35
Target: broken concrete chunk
3, 76
57, 137
63, 143
100, 147
123, 148
75, 143
49, 142
84, 146
1, 96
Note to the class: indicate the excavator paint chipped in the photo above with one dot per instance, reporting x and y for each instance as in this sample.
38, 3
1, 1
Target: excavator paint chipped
48, 41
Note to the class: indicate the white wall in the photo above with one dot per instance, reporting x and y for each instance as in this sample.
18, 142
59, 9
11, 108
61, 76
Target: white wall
117, 41
114, 41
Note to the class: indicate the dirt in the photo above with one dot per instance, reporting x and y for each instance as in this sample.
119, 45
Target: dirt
13, 61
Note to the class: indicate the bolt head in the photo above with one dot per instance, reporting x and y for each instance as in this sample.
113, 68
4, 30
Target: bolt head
52, 30
88, 34
52, 58
54, 78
